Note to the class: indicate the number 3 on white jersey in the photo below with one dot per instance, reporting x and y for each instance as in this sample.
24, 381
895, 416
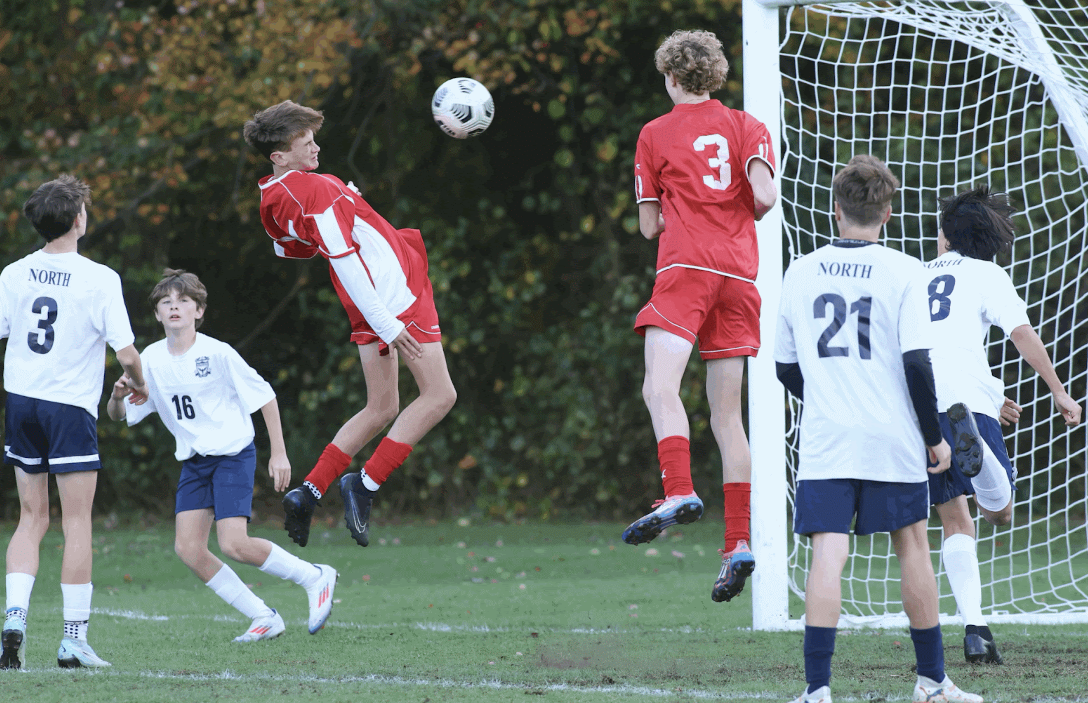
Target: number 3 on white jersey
720, 162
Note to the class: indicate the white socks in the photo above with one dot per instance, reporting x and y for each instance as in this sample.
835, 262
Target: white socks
18, 591
961, 565
77, 609
230, 588
286, 565
993, 490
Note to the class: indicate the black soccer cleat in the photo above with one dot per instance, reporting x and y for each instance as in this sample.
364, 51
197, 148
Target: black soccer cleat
357, 501
11, 657
977, 650
298, 508
966, 441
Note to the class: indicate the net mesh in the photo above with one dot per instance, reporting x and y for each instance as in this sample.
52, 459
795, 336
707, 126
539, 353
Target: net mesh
950, 95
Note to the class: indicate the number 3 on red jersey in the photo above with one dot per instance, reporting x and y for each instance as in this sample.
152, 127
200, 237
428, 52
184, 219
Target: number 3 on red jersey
720, 161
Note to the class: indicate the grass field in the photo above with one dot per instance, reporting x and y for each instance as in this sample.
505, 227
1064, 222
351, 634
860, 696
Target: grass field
466, 612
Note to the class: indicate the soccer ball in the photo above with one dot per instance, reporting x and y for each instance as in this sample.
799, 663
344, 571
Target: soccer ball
462, 107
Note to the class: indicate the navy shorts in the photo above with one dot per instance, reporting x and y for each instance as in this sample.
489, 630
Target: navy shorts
829, 505
41, 436
950, 484
224, 483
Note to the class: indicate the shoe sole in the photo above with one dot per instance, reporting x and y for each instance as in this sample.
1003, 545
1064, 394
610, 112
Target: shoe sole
12, 643
968, 445
648, 528
297, 522
740, 577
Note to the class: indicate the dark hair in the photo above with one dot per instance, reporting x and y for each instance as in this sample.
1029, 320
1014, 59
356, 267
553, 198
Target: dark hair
864, 189
180, 282
54, 206
276, 128
977, 223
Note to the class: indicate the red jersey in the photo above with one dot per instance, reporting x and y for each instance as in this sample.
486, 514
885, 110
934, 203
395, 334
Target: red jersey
694, 161
309, 213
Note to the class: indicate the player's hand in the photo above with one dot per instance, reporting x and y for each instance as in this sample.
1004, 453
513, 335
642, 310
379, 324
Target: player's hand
407, 345
1010, 413
279, 469
138, 394
120, 388
940, 458
1069, 409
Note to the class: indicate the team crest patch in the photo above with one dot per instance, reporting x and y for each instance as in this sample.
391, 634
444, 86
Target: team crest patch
203, 368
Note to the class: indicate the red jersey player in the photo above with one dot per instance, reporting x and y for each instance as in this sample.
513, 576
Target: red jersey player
380, 275
704, 174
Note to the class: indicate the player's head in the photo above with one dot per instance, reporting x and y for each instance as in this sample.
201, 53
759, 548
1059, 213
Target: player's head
863, 190
279, 131
695, 59
179, 284
977, 223
55, 206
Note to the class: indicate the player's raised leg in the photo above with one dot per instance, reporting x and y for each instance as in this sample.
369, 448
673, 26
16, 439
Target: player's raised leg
437, 396
22, 563
318, 580
724, 377
380, 373
666, 359
76, 492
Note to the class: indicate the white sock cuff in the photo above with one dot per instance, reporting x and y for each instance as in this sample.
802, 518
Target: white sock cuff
225, 583
959, 543
369, 483
77, 601
234, 591
285, 565
19, 587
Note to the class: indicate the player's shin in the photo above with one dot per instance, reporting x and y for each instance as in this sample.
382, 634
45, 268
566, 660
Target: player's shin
993, 491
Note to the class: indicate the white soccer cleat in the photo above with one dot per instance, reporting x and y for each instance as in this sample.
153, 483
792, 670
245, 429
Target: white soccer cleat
265, 627
929, 691
321, 597
820, 695
13, 654
77, 653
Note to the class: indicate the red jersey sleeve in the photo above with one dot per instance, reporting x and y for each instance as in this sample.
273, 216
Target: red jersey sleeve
647, 183
757, 145
308, 214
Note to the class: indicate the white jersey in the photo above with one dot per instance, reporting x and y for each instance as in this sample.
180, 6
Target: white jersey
205, 397
59, 312
966, 297
848, 312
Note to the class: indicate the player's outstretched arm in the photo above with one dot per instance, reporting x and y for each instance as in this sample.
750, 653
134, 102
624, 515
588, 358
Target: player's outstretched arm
763, 188
279, 467
129, 359
1031, 347
115, 407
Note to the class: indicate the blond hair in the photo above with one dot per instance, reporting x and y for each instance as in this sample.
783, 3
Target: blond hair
695, 59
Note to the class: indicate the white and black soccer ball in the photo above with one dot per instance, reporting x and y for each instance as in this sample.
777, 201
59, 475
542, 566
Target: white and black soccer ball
462, 107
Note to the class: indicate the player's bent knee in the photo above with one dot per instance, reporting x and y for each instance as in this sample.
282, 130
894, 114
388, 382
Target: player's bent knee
1000, 518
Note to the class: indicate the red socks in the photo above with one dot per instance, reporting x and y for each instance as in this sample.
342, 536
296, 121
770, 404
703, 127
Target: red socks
389, 455
329, 466
674, 455
738, 512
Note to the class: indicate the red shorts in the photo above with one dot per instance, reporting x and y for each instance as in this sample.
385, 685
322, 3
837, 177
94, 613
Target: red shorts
722, 313
420, 319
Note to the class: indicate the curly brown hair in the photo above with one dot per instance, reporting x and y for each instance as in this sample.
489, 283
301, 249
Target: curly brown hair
864, 190
276, 128
695, 59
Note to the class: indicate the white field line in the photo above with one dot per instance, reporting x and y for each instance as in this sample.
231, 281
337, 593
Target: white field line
495, 685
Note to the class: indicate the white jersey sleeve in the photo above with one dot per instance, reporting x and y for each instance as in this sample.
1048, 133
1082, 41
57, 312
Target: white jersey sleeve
60, 311
848, 312
253, 391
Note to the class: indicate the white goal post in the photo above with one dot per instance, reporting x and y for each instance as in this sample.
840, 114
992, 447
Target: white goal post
950, 94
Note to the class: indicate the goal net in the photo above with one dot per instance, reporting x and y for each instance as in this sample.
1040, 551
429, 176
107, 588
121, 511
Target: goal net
950, 95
